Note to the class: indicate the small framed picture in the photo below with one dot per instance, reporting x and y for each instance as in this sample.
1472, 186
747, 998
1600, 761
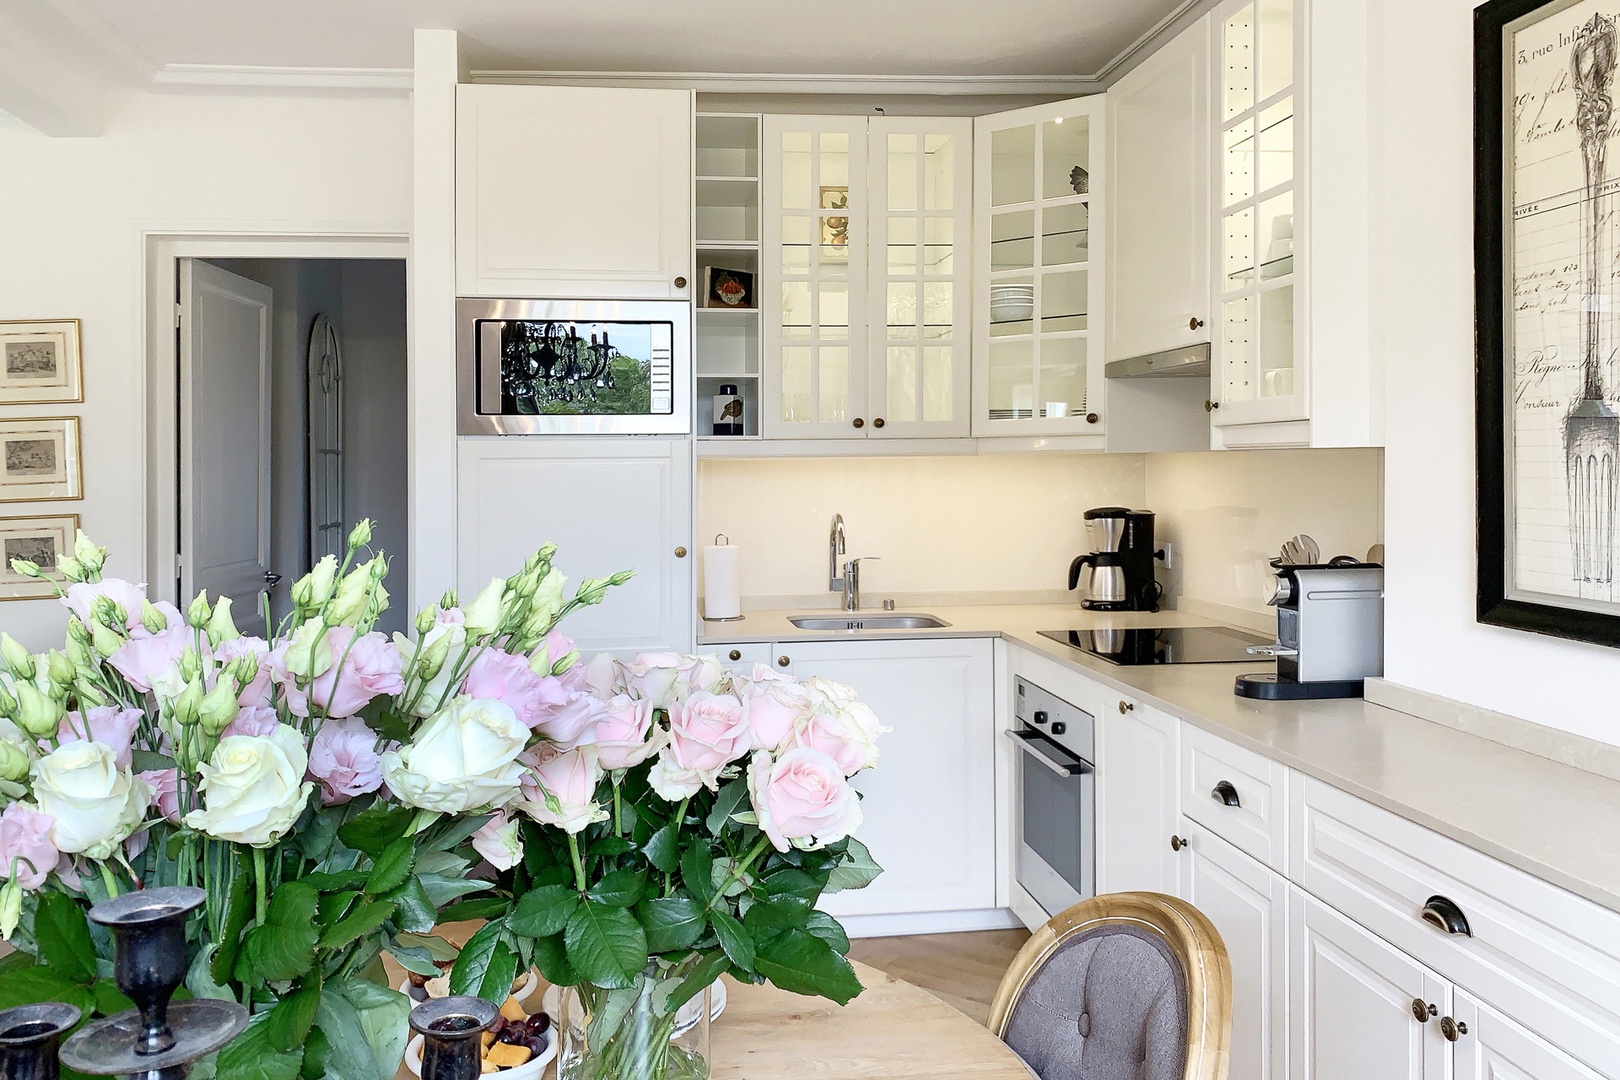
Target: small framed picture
40, 540
835, 228
40, 363
39, 459
724, 288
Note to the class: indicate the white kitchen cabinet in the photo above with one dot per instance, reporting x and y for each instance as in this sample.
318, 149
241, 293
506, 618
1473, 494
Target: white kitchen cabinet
565, 192
1353, 1002
608, 505
1158, 165
741, 658
1040, 231
1138, 800
930, 804
1489, 1046
1248, 904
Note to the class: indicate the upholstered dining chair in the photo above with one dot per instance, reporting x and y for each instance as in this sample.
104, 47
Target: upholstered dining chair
1128, 986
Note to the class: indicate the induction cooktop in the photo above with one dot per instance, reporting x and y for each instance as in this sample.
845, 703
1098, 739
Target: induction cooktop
1164, 645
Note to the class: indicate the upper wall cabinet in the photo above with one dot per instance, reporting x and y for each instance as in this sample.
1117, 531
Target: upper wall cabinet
1158, 165
573, 192
1040, 216
865, 277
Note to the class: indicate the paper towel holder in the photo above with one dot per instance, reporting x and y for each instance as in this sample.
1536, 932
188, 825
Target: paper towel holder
722, 540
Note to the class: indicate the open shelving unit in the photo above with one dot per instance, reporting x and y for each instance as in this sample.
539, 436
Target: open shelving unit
727, 219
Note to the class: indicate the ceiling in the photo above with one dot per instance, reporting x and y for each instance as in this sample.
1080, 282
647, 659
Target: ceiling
951, 38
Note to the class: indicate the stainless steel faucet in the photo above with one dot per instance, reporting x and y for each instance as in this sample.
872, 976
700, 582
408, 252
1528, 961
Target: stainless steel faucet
835, 548
852, 582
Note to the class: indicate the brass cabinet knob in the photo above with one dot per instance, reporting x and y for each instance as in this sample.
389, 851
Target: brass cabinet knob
1125, 707
1195, 323
1211, 406
783, 661
859, 422
1452, 1029
680, 283
735, 654
878, 422
680, 553
1092, 418
1179, 842
1422, 1011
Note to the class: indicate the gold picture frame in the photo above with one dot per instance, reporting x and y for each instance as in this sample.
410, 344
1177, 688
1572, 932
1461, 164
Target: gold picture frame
41, 362
42, 540
40, 459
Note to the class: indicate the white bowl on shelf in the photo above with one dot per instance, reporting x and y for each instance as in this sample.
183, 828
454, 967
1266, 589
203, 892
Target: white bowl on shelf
1012, 302
529, 1070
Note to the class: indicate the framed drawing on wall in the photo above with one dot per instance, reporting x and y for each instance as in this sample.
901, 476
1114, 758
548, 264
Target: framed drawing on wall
42, 541
40, 363
1547, 316
39, 459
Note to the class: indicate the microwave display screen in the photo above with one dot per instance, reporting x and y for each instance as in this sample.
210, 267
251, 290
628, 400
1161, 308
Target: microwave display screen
560, 367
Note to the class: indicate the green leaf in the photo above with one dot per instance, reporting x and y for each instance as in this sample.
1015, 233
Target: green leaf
341, 881
149, 761
801, 963
333, 906
441, 890
317, 1049
436, 947
200, 981
63, 936
292, 905
769, 915
375, 828
293, 1016
238, 907
737, 942
671, 922
828, 929
606, 945
251, 1056
415, 960
384, 1015
32, 985
393, 866
620, 888
857, 871
109, 999
725, 804
451, 833
15, 961
543, 911
710, 968
484, 908
697, 871
788, 881
663, 850
468, 972
413, 911
283, 948
386, 721
367, 918
551, 957
611, 845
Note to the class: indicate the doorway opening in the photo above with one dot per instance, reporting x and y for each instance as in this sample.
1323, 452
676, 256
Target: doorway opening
291, 401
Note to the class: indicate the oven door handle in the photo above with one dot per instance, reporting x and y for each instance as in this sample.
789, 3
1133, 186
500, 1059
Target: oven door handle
1033, 744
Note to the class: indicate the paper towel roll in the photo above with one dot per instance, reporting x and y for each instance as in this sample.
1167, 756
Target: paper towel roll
722, 582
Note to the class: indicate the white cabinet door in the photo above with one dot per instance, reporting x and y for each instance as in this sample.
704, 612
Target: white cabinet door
930, 804
741, 657
1158, 164
1138, 800
1489, 1046
922, 276
608, 505
1248, 903
1352, 1003
570, 192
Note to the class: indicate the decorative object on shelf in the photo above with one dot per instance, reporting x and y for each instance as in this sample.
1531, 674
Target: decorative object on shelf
834, 230
39, 460
722, 581
724, 288
40, 363
728, 410
1080, 180
42, 541
1547, 427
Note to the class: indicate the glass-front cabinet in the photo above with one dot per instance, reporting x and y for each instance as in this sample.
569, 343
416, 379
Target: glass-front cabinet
1258, 376
1039, 224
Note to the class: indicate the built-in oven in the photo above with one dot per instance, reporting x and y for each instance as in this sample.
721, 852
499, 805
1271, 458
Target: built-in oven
573, 367
1056, 798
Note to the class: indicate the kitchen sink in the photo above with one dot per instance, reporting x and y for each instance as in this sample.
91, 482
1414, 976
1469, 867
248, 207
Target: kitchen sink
858, 621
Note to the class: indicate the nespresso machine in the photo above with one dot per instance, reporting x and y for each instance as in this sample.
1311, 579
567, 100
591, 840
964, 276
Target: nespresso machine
1121, 562
1330, 632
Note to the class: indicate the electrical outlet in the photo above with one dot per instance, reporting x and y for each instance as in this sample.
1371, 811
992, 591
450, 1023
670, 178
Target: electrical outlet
1168, 551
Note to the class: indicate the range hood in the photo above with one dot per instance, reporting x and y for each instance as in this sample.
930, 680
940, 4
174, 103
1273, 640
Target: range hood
1187, 362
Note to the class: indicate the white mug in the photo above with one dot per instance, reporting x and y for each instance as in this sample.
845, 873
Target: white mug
1279, 383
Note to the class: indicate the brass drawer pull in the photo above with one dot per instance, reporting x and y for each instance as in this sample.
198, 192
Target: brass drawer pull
1444, 915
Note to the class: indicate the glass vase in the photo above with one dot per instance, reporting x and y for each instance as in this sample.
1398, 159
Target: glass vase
632, 1034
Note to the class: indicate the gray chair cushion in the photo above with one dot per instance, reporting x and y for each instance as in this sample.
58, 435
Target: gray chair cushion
1108, 1004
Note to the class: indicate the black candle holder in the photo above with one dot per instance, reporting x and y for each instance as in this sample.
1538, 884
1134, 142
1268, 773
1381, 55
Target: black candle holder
29, 1037
155, 1040
450, 1027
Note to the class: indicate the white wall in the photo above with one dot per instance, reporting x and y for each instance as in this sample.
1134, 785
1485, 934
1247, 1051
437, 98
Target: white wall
1423, 246
73, 213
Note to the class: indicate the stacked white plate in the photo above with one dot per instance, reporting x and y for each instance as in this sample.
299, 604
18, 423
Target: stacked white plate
1012, 302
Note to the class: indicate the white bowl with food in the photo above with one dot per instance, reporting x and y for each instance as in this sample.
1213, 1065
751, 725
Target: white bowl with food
518, 1047
439, 987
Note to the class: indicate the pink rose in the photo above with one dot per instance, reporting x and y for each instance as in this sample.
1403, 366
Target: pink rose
256, 692
707, 731
562, 791
344, 758
774, 704
657, 677
802, 799
146, 656
508, 678
25, 845
845, 732
105, 724
602, 675
572, 721
165, 792
622, 733
500, 841
702, 673
359, 672
81, 599
257, 720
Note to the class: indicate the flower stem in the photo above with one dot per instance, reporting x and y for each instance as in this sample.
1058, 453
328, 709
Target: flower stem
579, 867
618, 813
261, 898
108, 880
742, 868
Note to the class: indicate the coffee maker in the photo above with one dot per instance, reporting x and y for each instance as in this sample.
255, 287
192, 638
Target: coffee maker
1330, 632
1121, 562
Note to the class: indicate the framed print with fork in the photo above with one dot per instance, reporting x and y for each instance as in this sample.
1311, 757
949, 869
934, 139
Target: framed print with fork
1547, 314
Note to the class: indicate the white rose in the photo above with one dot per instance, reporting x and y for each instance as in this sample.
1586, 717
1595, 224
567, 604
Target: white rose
703, 673
657, 678
483, 615
253, 788
438, 687
826, 692
464, 757
95, 804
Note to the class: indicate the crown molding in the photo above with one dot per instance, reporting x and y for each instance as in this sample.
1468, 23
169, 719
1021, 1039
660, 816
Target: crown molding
1136, 51
390, 80
718, 82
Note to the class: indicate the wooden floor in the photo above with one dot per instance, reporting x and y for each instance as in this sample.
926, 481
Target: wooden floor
963, 970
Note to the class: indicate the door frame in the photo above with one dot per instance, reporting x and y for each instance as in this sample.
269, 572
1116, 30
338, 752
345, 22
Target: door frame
160, 417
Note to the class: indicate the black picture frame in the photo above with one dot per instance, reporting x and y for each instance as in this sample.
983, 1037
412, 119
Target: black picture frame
1494, 606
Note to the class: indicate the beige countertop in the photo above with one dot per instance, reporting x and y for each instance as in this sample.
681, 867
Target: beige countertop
1548, 819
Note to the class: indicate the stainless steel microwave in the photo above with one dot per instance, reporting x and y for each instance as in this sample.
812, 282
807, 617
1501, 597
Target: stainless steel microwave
573, 367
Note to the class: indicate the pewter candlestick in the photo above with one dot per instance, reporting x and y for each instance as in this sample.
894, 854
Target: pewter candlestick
154, 1040
450, 1028
29, 1035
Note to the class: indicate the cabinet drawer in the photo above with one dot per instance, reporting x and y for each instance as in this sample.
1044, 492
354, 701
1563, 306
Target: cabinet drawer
741, 658
1547, 958
1239, 795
